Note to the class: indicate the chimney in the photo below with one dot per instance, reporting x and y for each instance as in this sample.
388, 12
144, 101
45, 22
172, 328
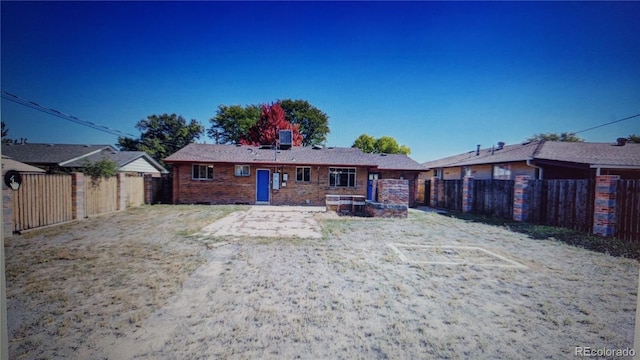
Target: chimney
477, 149
500, 145
621, 141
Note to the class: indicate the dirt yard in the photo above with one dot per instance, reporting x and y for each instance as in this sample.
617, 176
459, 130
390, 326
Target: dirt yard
147, 284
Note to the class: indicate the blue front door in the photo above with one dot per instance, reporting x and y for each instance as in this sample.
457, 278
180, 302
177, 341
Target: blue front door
262, 186
372, 176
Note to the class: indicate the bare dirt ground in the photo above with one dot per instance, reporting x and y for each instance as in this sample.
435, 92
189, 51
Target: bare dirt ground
146, 284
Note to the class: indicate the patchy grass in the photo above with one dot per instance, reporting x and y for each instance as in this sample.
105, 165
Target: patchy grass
611, 246
103, 274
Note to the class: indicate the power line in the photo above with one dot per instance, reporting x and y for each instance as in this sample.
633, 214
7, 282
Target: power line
609, 123
34, 105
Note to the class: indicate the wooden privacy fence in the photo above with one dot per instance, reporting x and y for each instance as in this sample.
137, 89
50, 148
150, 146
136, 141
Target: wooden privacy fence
564, 203
606, 206
101, 196
42, 200
134, 190
45, 199
493, 197
628, 209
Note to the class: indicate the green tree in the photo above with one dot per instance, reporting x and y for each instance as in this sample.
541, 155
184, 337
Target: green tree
162, 135
5, 134
633, 139
384, 144
103, 168
314, 124
366, 143
231, 123
567, 137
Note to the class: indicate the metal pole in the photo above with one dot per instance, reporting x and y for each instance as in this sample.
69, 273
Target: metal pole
4, 336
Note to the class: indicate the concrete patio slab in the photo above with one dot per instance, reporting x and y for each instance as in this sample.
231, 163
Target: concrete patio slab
268, 221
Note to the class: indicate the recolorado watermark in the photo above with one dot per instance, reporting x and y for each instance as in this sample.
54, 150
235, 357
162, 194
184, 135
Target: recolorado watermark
587, 351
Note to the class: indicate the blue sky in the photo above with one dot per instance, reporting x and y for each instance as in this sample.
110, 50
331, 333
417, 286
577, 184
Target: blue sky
440, 77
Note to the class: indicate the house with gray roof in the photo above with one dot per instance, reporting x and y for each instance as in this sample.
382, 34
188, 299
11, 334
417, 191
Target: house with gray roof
72, 157
541, 160
230, 174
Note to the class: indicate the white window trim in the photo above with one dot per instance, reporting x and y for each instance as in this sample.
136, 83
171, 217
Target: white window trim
235, 172
303, 167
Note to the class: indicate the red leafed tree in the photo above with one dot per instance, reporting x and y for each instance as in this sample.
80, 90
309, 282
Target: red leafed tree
266, 130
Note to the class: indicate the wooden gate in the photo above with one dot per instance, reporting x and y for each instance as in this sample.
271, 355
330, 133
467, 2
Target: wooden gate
427, 192
628, 210
101, 195
42, 200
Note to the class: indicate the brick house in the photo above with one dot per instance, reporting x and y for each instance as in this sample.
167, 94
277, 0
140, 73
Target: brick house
541, 160
241, 174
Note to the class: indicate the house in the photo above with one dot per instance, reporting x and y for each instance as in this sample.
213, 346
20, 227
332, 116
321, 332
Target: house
541, 160
10, 164
230, 174
70, 157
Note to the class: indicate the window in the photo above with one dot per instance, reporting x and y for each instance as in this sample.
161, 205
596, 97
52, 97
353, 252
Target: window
303, 174
502, 172
466, 171
202, 172
242, 170
342, 177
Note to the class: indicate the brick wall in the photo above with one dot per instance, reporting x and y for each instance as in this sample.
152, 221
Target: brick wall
393, 199
604, 213
226, 188
393, 192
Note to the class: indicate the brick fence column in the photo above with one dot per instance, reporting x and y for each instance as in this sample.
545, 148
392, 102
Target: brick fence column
467, 194
435, 184
8, 226
121, 192
77, 196
521, 198
148, 188
604, 212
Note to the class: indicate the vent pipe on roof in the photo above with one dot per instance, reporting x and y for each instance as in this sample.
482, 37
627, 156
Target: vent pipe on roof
477, 149
500, 145
621, 141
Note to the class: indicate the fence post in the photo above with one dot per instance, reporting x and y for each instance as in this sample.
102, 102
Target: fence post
148, 188
7, 210
77, 196
521, 198
121, 192
435, 184
604, 210
467, 194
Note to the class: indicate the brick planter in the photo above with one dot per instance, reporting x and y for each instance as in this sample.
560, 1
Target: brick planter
376, 209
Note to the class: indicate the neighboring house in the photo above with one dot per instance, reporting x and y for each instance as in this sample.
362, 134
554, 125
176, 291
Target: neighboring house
10, 164
541, 160
228, 174
70, 157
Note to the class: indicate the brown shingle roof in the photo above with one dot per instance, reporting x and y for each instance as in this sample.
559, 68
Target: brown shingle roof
608, 154
508, 153
294, 156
